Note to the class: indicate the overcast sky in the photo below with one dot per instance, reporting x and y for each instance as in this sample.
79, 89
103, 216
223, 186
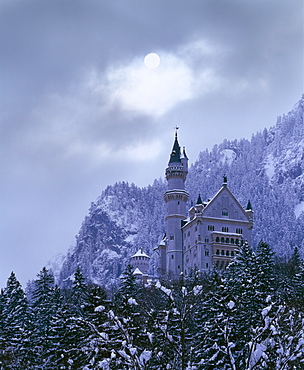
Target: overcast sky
80, 110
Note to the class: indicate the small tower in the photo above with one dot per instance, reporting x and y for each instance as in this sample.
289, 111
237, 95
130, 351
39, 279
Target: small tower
176, 198
140, 262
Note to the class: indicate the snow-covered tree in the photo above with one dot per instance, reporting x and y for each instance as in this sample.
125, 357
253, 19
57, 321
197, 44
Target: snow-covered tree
14, 315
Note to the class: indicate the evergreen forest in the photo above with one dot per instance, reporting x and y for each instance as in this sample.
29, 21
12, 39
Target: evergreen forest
251, 316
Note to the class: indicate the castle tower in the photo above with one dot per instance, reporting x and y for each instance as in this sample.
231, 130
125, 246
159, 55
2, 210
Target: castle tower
176, 198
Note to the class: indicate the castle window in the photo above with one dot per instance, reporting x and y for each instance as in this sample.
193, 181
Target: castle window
210, 227
217, 252
188, 233
199, 237
225, 229
232, 253
236, 241
217, 239
225, 213
172, 256
207, 265
222, 240
195, 228
206, 240
206, 253
172, 237
178, 203
227, 253
222, 252
239, 231
232, 241
227, 240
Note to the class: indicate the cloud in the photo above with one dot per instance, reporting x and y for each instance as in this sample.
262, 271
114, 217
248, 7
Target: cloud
136, 88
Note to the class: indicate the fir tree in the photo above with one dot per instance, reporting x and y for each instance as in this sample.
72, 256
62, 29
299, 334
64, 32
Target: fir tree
44, 307
14, 324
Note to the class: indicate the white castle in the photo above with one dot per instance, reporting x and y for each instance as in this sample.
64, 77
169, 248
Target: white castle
212, 233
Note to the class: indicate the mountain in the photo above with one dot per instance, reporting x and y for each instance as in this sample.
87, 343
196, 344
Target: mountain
268, 170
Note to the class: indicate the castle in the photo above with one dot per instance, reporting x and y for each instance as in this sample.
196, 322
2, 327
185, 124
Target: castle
212, 233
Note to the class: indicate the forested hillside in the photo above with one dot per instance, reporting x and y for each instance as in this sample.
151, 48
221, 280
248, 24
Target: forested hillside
268, 170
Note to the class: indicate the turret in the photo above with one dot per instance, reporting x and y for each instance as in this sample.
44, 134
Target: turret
249, 212
176, 199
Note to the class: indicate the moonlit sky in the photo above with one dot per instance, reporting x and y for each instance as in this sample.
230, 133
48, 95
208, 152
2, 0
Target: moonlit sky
80, 110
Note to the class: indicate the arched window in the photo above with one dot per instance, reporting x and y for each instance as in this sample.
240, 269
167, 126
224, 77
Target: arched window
217, 239
232, 253
223, 253
217, 252
232, 241
222, 240
227, 253
227, 240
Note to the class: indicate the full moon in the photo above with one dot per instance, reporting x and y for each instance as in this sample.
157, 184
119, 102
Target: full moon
152, 60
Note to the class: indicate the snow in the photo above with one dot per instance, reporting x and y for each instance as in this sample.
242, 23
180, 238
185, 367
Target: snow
298, 209
265, 311
228, 156
145, 356
197, 289
269, 166
132, 301
110, 253
140, 253
231, 305
100, 308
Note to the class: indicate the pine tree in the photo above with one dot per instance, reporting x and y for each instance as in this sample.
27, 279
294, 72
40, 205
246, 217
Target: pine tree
14, 324
265, 272
95, 322
79, 293
44, 307
128, 340
215, 319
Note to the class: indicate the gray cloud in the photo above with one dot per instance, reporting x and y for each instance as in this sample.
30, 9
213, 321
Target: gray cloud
63, 137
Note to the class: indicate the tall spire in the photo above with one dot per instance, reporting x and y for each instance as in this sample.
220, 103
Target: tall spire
175, 156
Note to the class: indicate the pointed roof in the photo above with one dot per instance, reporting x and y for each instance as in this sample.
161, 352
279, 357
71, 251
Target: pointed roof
137, 271
140, 253
184, 155
176, 153
199, 200
249, 207
224, 189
